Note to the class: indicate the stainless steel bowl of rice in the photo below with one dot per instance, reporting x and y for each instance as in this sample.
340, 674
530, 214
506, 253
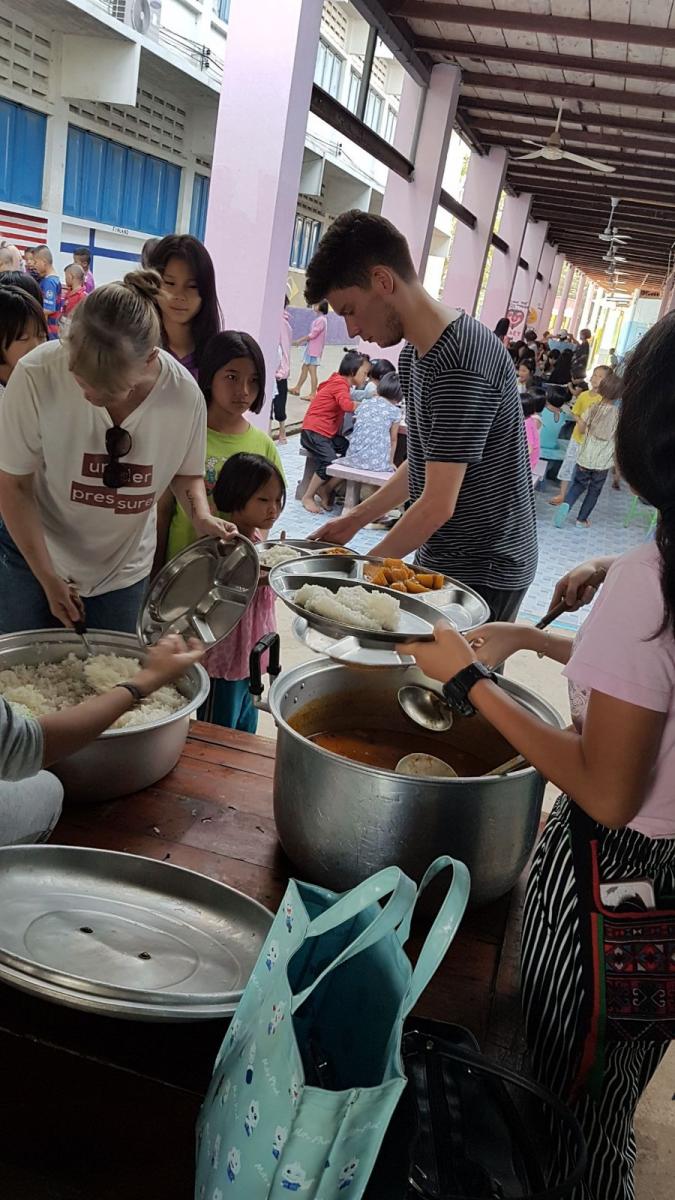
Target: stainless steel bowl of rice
145, 745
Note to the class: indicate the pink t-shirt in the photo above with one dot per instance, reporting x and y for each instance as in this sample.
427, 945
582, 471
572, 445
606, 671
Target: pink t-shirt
229, 659
317, 336
616, 654
532, 427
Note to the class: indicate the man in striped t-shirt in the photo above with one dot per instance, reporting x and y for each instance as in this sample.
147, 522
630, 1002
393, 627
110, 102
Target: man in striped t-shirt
467, 472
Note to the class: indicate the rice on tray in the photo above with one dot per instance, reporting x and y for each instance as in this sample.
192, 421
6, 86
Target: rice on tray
37, 689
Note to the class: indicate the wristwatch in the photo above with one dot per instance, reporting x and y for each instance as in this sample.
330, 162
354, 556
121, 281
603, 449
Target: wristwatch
456, 690
135, 692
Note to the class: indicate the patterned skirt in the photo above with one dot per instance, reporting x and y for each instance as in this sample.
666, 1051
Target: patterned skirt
556, 1000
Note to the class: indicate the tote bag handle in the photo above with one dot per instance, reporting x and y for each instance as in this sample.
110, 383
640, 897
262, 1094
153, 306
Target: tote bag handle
443, 929
364, 895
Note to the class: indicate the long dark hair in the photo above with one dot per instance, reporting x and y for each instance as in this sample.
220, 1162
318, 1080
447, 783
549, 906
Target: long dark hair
220, 351
241, 476
562, 371
645, 441
209, 320
18, 312
21, 279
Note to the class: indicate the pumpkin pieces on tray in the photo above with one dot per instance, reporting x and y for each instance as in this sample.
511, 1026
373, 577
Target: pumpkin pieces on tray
395, 574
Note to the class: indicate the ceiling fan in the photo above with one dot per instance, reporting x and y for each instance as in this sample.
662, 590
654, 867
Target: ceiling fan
552, 150
611, 233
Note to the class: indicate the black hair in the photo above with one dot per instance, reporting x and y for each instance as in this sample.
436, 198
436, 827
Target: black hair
147, 252
585, 333
645, 442
83, 252
18, 312
323, 307
554, 355
354, 244
286, 300
208, 320
525, 361
502, 327
530, 335
351, 362
241, 476
389, 387
220, 350
24, 281
562, 371
533, 402
610, 386
380, 367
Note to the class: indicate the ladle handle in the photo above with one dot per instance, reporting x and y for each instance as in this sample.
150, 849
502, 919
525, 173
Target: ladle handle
562, 605
271, 642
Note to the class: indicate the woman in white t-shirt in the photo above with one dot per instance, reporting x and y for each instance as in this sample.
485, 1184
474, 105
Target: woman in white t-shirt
598, 975
93, 429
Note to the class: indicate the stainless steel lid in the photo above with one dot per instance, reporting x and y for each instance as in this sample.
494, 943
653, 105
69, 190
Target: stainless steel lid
203, 592
117, 931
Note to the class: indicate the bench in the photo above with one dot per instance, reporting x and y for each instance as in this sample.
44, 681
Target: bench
310, 470
354, 477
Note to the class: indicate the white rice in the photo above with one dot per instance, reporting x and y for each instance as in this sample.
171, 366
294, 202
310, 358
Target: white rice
278, 554
39, 689
351, 606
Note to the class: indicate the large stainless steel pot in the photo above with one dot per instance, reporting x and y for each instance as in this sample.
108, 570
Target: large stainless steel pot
120, 761
339, 821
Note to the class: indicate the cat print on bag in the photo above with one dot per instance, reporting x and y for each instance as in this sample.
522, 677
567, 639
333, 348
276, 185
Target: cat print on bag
346, 1176
233, 1164
272, 955
280, 1135
234, 1030
252, 1117
276, 1017
294, 1179
294, 1090
217, 1194
225, 1094
215, 1157
252, 1051
288, 915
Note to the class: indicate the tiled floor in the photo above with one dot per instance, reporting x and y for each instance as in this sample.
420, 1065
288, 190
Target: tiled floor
559, 549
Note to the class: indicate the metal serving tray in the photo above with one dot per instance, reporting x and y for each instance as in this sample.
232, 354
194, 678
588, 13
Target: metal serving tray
111, 931
351, 651
203, 592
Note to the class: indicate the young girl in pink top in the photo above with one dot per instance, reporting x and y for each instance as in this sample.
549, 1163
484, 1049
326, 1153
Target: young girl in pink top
597, 972
252, 489
314, 343
533, 404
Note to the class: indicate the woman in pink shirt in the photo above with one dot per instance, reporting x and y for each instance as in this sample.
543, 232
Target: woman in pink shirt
314, 343
598, 970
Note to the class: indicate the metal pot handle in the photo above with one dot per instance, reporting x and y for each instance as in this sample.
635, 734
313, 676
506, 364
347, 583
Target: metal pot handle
271, 642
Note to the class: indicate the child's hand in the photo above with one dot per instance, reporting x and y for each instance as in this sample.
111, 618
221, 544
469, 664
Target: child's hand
167, 661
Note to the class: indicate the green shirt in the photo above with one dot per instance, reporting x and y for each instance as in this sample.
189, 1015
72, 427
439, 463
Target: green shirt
219, 447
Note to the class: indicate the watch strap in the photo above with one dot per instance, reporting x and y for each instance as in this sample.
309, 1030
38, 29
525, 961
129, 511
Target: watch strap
135, 692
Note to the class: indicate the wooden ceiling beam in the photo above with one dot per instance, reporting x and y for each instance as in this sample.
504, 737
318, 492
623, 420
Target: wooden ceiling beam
559, 221
625, 161
539, 58
531, 180
561, 228
560, 90
581, 117
529, 22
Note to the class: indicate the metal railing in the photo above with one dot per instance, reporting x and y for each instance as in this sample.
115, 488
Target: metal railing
201, 56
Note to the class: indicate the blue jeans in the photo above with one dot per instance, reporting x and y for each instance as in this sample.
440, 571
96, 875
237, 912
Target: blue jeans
23, 604
588, 481
230, 705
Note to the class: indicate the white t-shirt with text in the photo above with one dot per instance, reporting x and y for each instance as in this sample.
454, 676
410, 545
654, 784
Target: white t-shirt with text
102, 539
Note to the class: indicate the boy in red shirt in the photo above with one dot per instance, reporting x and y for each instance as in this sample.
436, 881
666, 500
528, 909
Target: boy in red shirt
320, 435
75, 290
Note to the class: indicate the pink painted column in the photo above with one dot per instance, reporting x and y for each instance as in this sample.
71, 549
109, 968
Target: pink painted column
411, 205
564, 297
504, 266
540, 289
533, 244
547, 308
578, 305
257, 159
483, 187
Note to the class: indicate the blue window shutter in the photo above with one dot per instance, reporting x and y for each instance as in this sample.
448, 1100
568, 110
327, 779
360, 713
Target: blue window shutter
169, 207
116, 185
22, 154
74, 172
111, 207
93, 176
200, 203
133, 190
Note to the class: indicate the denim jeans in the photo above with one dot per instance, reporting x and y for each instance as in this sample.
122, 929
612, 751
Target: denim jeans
588, 481
23, 604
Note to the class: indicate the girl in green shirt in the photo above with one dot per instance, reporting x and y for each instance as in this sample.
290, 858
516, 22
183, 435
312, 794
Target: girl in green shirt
232, 378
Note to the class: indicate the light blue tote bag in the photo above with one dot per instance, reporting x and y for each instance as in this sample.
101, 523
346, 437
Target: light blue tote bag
310, 1072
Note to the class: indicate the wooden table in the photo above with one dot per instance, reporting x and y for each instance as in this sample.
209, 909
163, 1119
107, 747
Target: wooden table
98, 1109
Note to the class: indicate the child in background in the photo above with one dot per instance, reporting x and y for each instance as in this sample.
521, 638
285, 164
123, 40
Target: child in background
82, 256
188, 302
252, 490
282, 373
584, 401
314, 343
23, 326
379, 367
372, 445
533, 404
594, 461
320, 435
525, 376
50, 286
232, 378
75, 291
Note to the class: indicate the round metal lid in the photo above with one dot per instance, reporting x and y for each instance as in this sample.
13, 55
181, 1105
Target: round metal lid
203, 592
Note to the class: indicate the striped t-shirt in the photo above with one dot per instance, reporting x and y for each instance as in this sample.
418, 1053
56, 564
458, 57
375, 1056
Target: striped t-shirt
463, 406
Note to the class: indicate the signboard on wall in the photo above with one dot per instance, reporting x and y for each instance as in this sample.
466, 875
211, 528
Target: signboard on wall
522, 317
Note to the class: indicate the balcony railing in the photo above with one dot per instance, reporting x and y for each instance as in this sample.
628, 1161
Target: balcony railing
201, 56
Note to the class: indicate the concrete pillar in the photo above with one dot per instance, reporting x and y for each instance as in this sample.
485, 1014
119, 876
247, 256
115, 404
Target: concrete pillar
552, 291
504, 266
540, 289
585, 319
257, 159
578, 305
564, 297
411, 204
533, 244
483, 187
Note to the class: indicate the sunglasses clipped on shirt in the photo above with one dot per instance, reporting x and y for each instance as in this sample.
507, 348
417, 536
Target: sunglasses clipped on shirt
117, 444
